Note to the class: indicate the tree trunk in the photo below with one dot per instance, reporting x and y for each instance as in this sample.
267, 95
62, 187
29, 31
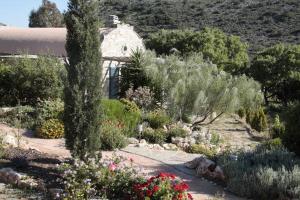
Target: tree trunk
214, 119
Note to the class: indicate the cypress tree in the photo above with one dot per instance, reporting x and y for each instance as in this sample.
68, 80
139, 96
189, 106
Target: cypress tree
83, 88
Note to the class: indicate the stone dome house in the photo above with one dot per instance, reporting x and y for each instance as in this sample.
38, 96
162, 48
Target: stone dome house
118, 42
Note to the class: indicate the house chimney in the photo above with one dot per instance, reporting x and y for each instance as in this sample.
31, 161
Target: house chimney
112, 21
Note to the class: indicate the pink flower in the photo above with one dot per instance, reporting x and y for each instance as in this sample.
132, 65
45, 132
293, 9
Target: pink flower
112, 167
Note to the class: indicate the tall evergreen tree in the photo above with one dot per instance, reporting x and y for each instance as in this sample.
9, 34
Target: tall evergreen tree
48, 15
83, 88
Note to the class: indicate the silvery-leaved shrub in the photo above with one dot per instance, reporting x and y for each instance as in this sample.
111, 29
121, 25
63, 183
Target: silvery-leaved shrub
263, 174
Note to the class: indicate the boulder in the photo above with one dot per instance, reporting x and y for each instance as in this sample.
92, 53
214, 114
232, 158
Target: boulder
206, 167
157, 147
55, 193
9, 176
177, 140
132, 140
142, 143
10, 140
170, 147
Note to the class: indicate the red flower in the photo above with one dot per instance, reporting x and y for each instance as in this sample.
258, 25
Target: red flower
155, 188
179, 196
150, 180
181, 187
149, 193
166, 175
185, 186
145, 185
172, 176
190, 196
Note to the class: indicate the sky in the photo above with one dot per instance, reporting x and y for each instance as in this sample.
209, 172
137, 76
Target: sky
16, 12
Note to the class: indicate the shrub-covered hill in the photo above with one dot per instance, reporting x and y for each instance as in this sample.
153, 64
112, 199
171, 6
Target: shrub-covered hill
260, 22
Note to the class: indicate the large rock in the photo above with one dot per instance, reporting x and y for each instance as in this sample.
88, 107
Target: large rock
143, 143
9, 176
10, 140
206, 167
132, 140
172, 147
157, 147
183, 142
177, 140
55, 193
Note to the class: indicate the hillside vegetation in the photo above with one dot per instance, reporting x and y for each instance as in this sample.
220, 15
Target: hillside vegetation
260, 22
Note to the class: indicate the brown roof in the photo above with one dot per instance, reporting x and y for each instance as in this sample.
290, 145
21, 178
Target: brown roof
34, 41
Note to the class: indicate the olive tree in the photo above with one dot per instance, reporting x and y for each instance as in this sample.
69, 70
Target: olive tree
277, 68
228, 52
193, 86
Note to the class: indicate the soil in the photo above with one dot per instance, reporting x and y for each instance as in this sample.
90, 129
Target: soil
235, 132
41, 167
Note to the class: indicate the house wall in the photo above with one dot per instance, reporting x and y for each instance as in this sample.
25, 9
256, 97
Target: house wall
116, 47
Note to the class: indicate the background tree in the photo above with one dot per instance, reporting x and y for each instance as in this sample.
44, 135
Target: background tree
227, 52
83, 88
48, 15
278, 70
195, 87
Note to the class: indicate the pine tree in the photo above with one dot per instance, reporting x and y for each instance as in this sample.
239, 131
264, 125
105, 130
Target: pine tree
83, 88
48, 15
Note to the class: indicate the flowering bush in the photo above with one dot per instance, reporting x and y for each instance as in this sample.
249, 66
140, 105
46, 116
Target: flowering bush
142, 96
163, 186
105, 179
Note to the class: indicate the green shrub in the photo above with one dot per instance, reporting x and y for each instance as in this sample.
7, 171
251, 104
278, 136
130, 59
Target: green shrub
257, 119
273, 144
49, 109
27, 80
127, 113
202, 149
241, 112
155, 136
291, 138
176, 132
278, 128
50, 129
186, 119
1, 147
130, 106
112, 136
263, 174
20, 117
157, 118
215, 139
